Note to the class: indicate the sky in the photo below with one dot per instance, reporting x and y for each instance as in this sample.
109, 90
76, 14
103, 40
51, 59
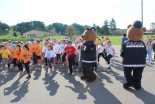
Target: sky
84, 12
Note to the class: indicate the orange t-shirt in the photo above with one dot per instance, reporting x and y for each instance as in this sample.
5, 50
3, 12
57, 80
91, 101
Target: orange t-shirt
38, 50
33, 48
19, 54
15, 54
26, 56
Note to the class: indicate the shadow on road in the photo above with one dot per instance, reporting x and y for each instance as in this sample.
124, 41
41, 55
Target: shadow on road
6, 78
143, 95
51, 84
100, 93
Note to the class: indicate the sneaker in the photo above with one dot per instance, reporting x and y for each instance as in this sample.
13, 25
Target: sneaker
21, 73
28, 77
50, 74
138, 87
127, 85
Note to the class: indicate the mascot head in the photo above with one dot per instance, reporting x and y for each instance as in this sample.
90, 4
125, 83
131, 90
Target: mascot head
135, 32
89, 34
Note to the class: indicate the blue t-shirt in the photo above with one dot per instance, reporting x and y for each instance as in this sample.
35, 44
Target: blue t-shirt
124, 39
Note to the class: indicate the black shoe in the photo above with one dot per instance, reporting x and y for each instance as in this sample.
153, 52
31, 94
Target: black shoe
137, 86
127, 85
28, 77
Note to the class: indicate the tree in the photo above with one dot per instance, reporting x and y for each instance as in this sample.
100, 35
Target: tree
70, 31
59, 27
15, 34
153, 27
28, 26
112, 25
98, 29
105, 28
79, 29
4, 28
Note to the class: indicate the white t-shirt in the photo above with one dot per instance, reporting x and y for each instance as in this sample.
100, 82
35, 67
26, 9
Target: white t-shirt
110, 50
44, 49
62, 47
105, 44
57, 49
50, 54
100, 48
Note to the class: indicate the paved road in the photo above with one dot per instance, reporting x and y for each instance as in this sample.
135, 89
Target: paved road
60, 88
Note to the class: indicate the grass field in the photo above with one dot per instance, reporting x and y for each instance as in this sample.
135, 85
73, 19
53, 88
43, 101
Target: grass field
116, 40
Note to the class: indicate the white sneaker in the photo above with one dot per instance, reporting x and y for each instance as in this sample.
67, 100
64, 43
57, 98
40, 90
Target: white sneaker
50, 74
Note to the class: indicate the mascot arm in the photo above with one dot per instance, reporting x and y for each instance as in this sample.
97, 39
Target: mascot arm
123, 48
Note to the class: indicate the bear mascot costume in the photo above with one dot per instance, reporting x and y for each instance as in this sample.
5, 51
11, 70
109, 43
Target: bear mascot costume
133, 52
88, 51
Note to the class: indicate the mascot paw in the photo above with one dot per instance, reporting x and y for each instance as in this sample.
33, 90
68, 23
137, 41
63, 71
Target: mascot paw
84, 77
91, 79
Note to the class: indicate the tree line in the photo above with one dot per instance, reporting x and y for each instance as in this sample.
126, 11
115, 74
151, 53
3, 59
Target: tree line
108, 27
62, 29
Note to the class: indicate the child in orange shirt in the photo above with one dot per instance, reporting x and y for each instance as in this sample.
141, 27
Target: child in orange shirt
38, 53
19, 59
26, 57
33, 50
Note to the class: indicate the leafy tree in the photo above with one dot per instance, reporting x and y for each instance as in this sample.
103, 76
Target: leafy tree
79, 29
70, 31
4, 28
112, 25
105, 28
15, 34
28, 26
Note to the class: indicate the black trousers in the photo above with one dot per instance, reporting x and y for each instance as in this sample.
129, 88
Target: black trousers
20, 65
14, 61
71, 61
99, 55
108, 58
134, 78
45, 60
27, 67
58, 57
88, 69
34, 58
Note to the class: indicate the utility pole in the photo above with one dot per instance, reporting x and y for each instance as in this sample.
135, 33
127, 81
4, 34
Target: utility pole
142, 12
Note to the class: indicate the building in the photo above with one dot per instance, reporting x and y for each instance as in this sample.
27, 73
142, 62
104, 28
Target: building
38, 34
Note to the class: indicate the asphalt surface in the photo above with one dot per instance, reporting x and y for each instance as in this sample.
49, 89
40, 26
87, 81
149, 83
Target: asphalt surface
61, 88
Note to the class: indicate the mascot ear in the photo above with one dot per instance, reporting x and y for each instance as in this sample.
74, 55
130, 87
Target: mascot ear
144, 29
129, 26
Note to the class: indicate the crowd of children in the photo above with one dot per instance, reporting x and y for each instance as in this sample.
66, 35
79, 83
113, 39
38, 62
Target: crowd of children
17, 55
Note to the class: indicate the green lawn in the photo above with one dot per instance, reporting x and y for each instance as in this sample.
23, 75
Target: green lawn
116, 40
